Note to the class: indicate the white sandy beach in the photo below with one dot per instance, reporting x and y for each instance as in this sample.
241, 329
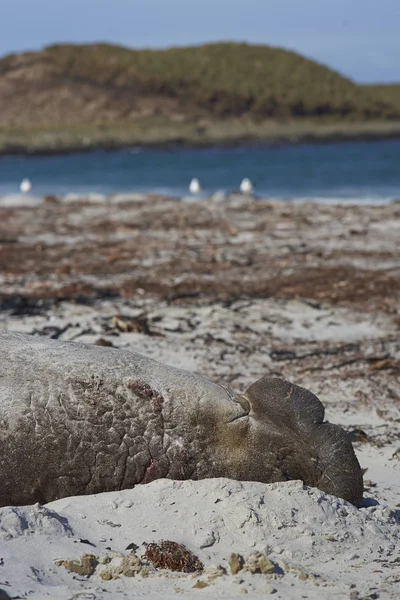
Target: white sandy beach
317, 546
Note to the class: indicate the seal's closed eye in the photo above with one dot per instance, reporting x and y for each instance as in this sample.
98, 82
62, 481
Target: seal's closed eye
244, 403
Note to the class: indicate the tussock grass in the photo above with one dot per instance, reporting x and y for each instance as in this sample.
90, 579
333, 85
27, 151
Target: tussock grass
224, 79
70, 97
388, 93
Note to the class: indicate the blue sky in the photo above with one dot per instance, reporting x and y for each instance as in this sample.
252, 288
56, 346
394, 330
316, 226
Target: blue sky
359, 38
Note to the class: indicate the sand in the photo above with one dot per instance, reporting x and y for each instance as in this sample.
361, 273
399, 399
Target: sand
318, 545
233, 288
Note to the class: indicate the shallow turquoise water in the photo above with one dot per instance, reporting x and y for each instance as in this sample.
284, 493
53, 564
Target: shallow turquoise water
352, 170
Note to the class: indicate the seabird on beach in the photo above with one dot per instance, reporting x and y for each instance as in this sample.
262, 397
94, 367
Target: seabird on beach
246, 187
25, 186
194, 186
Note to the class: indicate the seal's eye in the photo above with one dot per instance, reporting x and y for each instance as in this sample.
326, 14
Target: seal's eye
244, 403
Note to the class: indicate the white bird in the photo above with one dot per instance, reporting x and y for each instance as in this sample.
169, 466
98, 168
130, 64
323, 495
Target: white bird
246, 187
25, 186
194, 186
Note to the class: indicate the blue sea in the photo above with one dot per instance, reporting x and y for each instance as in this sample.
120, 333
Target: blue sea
356, 171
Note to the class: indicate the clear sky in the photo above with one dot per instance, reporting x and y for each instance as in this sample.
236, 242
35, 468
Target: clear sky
359, 38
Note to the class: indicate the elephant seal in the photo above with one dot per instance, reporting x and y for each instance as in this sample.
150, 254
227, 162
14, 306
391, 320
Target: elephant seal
83, 419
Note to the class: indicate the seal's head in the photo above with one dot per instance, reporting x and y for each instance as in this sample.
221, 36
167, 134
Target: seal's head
280, 434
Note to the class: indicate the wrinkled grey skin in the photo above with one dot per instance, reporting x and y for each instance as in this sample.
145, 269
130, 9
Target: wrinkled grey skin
81, 419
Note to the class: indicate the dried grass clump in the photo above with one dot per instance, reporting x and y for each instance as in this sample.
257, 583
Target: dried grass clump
172, 556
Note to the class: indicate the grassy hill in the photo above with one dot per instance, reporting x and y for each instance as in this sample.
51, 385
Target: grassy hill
388, 93
225, 79
66, 89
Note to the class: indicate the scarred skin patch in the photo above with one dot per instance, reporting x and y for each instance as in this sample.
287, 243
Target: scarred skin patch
143, 390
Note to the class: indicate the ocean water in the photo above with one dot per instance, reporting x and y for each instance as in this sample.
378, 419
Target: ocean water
357, 171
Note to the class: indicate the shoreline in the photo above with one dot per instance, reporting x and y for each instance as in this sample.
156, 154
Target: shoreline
18, 200
221, 135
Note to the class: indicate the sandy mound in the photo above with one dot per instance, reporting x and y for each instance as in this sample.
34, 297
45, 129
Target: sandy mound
311, 539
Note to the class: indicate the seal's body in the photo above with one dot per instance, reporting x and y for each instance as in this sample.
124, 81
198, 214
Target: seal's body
81, 419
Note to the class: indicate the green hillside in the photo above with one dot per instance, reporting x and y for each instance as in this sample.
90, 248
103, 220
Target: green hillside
388, 93
79, 97
225, 79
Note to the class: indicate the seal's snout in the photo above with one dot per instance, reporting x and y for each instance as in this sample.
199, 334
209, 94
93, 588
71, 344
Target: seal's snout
304, 445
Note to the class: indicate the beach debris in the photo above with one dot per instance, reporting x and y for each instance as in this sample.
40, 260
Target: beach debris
301, 573
103, 342
84, 541
139, 324
378, 363
256, 562
358, 435
132, 547
194, 186
235, 562
86, 566
172, 556
117, 565
201, 585
52, 331
51, 199
214, 571
246, 187
25, 186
